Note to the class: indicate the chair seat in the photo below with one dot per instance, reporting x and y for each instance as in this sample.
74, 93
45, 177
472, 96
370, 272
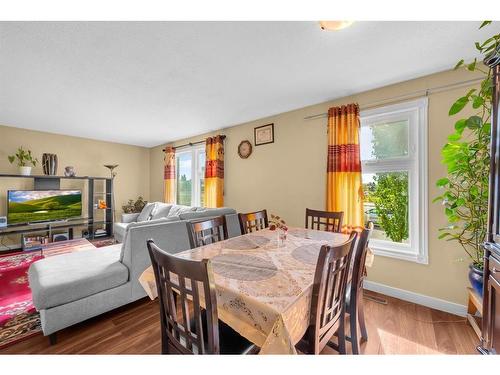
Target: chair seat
69, 277
230, 341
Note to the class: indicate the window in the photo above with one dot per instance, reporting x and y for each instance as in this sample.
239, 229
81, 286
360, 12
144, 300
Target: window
190, 169
394, 163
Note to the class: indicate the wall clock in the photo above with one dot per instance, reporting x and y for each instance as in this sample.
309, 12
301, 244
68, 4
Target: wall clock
244, 149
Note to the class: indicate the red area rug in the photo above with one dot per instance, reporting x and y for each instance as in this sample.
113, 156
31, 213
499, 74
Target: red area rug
18, 317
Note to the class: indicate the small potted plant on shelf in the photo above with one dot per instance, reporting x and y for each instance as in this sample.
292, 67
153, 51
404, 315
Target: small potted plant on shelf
132, 208
466, 156
278, 224
25, 161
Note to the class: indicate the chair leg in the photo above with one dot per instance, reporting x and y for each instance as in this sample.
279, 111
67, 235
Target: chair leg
341, 335
354, 331
361, 317
53, 338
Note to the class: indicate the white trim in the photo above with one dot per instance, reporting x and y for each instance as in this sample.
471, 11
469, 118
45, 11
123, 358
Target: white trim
419, 299
194, 151
416, 163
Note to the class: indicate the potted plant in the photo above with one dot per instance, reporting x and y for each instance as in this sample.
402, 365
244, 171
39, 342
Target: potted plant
25, 161
467, 158
132, 208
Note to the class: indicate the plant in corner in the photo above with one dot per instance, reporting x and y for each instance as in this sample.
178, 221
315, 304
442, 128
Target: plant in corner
466, 156
25, 161
134, 207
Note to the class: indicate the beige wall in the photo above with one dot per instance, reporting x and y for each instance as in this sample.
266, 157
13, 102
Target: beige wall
289, 175
86, 155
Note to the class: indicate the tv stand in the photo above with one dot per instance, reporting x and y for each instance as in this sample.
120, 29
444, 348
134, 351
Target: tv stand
104, 227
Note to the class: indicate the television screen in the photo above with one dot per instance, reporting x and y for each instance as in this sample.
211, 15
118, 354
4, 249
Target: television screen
27, 206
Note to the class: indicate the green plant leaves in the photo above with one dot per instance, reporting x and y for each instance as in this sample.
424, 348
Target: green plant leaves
472, 66
442, 182
460, 125
474, 122
484, 24
458, 105
459, 64
477, 101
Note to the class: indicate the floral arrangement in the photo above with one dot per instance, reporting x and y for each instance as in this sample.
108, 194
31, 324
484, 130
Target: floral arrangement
277, 222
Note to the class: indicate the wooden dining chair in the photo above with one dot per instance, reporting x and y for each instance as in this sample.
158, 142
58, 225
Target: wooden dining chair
328, 299
354, 290
195, 330
207, 231
324, 220
253, 221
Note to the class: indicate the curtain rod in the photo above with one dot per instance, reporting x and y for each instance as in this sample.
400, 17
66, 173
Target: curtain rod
195, 143
411, 95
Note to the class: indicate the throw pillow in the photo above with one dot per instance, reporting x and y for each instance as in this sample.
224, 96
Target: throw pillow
145, 214
161, 210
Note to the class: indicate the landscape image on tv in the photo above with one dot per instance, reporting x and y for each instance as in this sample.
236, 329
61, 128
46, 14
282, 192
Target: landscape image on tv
27, 206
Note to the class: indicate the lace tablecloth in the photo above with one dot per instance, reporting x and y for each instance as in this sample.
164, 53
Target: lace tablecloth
263, 290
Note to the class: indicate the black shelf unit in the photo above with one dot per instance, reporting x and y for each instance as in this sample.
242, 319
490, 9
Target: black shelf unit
42, 182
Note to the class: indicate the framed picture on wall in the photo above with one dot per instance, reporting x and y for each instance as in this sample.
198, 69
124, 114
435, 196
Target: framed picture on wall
263, 134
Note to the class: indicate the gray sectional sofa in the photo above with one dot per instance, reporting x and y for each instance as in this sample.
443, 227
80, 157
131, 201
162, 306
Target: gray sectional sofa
158, 212
70, 288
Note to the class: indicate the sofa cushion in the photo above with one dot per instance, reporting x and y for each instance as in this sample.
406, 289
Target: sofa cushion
208, 212
146, 212
161, 210
178, 209
69, 277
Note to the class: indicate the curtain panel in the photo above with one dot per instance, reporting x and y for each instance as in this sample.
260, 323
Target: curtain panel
214, 172
344, 190
169, 176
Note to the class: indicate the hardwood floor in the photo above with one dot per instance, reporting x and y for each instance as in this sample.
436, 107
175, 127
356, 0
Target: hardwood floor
396, 328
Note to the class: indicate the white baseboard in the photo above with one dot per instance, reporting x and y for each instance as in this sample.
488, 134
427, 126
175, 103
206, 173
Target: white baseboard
420, 299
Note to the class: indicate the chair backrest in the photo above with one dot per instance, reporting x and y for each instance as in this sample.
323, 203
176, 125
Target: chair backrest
176, 279
207, 231
328, 302
324, 220
358, 259
253, 221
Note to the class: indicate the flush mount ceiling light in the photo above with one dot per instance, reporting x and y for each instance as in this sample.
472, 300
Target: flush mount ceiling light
334, 25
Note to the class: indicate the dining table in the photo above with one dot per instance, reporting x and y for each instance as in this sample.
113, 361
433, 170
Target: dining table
263, 283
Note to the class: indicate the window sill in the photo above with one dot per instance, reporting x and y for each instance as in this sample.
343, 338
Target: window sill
399, 253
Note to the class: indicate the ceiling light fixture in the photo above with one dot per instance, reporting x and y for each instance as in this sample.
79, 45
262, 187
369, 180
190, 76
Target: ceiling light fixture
334, 25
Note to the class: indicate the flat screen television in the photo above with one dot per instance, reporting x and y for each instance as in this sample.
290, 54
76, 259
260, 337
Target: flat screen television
28, 206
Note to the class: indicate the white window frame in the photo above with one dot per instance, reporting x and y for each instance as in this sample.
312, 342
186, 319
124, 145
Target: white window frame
195, 171
416, 163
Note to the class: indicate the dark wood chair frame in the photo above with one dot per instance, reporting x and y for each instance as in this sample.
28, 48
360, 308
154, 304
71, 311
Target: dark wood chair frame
253, 221
355, 307
332, 220
328, 299
178, 336
207, 231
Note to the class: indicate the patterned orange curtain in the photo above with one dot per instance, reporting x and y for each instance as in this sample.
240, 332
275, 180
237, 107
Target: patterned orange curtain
214, 172
344, 191
169, 175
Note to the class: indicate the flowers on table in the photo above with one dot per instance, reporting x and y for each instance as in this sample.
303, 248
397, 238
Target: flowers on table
277, 223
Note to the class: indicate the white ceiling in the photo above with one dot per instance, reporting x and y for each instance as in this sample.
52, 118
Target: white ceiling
146, 83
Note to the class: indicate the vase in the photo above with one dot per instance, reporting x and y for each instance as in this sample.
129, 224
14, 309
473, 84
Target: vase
49, 163
25, 171
476, 279
281, 237
69, 171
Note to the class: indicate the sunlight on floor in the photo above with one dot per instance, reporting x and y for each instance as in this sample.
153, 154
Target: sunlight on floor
395, 344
